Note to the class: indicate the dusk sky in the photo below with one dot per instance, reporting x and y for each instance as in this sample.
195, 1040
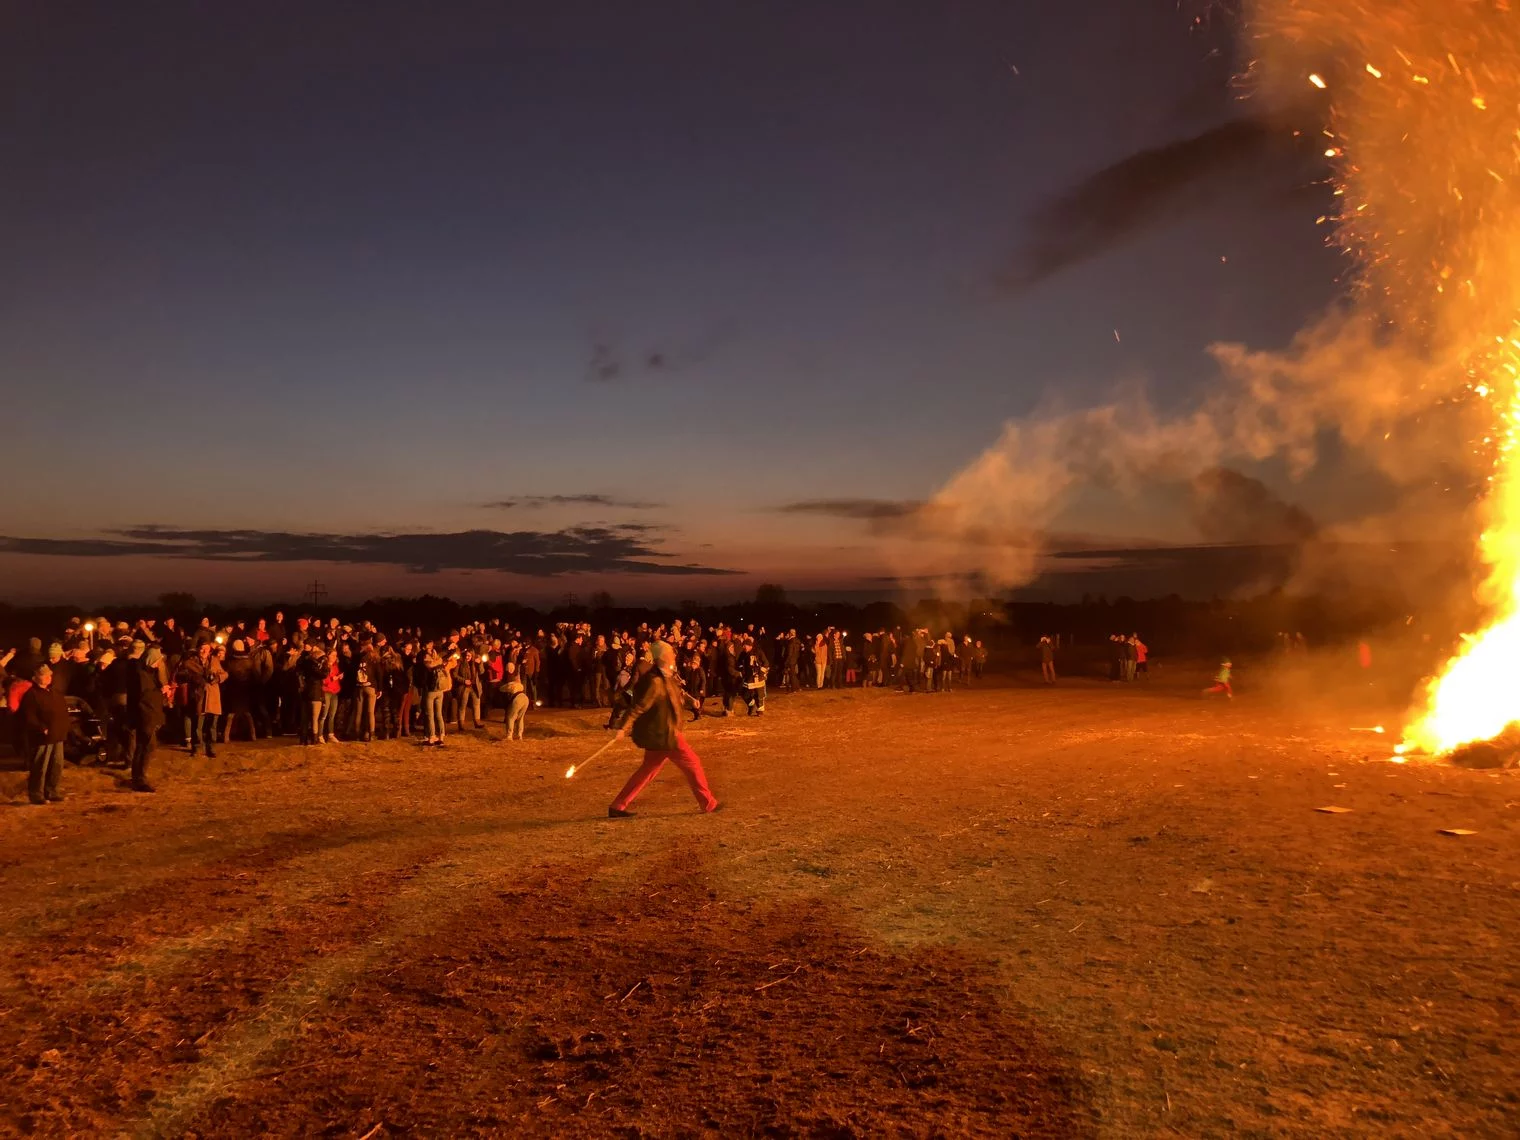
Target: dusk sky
589, 291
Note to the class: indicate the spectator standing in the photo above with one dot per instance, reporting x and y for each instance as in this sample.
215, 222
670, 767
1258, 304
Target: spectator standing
147, 683
516, 695
1047, 661
45, 726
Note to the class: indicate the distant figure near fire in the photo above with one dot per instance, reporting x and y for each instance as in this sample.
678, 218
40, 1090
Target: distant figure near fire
1222, 681
1047, 661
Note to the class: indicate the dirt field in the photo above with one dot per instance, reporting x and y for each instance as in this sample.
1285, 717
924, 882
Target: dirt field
1093, 911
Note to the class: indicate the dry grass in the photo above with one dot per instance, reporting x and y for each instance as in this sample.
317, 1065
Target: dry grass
1088, 910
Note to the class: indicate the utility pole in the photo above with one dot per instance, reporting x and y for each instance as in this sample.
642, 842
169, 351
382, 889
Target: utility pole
317, 593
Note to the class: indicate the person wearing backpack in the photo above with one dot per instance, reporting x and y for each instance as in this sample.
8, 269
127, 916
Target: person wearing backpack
367, 673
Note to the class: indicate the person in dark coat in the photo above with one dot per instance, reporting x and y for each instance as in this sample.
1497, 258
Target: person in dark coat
200, 676
121, 729
145, 699
793, 655
913, 660
311, 670
656, 715
239, 691
45, 726
753, 670
622, 692
728, 674
264, 703
694, 680
391, 684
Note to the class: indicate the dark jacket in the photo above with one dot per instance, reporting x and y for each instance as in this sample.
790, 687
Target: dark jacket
694, 678
467, 676
239, 689
657, 700
44, 716
753, 669
312, 670
391, 675
145, 696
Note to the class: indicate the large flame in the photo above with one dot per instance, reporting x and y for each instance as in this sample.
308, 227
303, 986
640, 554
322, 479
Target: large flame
1477, 697
1424, 129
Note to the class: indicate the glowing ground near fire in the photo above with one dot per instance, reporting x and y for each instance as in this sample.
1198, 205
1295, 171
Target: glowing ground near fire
1088, 911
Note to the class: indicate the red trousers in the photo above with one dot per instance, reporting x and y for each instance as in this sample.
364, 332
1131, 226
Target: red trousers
683, 758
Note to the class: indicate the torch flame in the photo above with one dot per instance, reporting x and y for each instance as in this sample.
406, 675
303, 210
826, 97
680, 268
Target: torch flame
570, 771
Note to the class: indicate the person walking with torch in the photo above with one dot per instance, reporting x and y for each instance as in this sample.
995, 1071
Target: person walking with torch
656, 717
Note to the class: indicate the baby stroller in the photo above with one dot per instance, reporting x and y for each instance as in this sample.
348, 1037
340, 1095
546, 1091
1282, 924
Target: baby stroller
87, 734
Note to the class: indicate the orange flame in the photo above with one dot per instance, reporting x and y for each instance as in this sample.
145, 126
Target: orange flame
1427, 169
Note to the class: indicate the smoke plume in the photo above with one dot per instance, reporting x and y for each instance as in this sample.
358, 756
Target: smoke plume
1343, 391
1420, 100
1150, 188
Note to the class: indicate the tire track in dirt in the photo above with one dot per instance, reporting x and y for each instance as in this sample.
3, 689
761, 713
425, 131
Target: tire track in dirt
437, 893
195, 962
80, 1063
98, 947
571, 1006
142, 886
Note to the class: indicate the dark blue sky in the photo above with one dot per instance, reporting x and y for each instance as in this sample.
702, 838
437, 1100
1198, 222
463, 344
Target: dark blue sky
360, 268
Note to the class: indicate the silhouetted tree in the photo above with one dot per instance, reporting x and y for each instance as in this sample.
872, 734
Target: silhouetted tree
769, 594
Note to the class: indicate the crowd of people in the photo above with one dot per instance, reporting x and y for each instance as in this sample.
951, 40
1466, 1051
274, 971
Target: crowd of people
1130, 657
133, 686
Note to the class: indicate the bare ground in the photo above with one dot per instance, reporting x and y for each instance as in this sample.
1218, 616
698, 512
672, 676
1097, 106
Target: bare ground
1093, 911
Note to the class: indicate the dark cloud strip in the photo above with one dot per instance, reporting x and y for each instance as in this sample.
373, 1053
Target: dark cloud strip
536, 502
869, 510
539, 554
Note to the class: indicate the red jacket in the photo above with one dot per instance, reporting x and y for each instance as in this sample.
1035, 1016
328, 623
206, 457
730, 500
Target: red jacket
17, 690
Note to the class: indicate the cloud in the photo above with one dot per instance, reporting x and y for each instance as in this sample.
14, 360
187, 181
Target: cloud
1144, 190
611, 360
606, 363
539, 554
537, 502
867, 510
